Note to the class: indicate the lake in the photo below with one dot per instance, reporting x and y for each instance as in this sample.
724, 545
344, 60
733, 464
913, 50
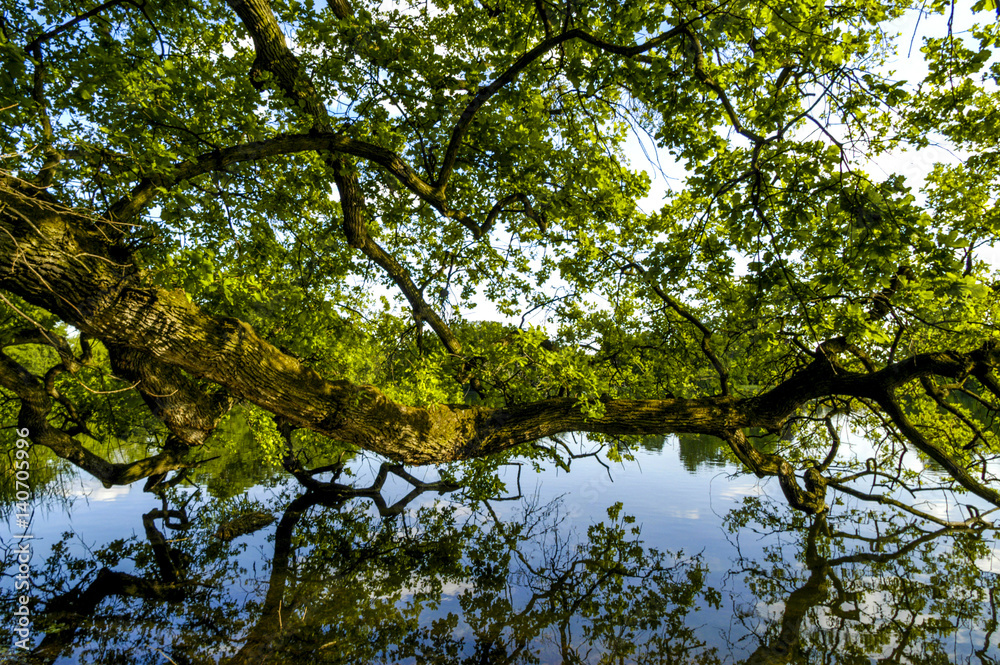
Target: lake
670, 558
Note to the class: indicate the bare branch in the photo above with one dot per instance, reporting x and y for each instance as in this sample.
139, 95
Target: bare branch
976, 519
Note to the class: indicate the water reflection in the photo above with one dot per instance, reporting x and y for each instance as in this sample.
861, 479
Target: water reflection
697, 452
289, 574
348, 583
862, 587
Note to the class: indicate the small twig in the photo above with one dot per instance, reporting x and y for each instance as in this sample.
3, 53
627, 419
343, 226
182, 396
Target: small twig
165, 655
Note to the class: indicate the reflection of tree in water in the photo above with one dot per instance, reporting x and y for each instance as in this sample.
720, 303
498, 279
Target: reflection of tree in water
697, 450
349, 584
694, 450
865, 584
345, 581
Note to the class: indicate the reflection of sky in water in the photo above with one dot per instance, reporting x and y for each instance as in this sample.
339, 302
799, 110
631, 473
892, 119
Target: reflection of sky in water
677, 509
678, 492
92, 490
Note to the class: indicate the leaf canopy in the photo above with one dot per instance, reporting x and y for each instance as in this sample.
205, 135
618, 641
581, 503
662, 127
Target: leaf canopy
427, 224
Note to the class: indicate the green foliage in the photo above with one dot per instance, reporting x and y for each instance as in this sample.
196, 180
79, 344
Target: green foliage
778, 230
265, 435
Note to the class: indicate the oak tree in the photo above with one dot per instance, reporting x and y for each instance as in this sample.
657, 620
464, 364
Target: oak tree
412, 228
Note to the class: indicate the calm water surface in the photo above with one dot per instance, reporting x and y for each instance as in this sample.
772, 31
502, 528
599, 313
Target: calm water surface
667, 559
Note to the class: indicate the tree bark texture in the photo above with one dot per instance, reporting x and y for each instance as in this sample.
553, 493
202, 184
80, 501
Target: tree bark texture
60, 260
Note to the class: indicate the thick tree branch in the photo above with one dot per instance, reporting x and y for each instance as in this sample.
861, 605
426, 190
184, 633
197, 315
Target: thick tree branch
52, 157
811, 500
543, 17
355, 227
119, 308
401, 278
189, 412
146, 191
340, 8
988, 380
935, 452
36, 405
274, 55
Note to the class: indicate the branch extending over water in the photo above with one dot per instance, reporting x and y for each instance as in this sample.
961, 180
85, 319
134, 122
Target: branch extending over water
121, 308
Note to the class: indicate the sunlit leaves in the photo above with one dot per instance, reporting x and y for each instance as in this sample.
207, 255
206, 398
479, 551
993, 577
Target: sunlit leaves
502, 188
